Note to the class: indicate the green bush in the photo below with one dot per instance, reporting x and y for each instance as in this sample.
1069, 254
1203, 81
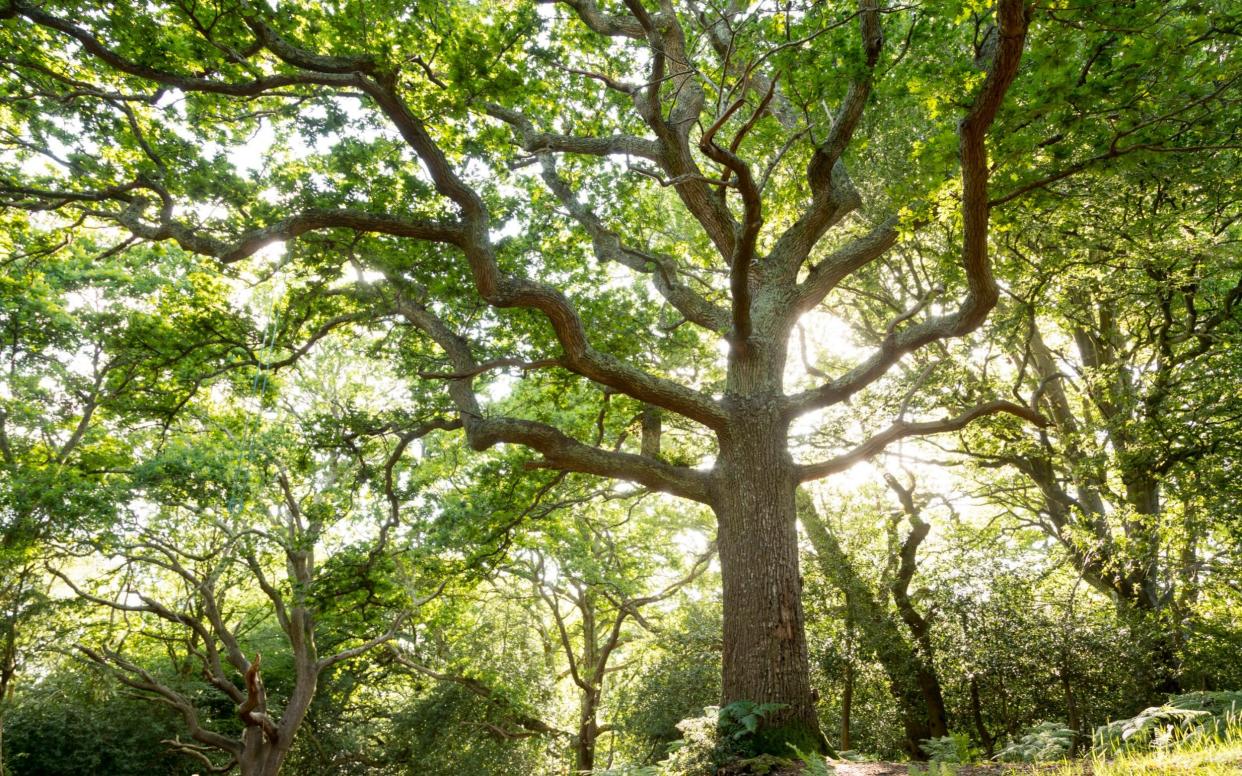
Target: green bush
954, 748
1046, 741
698, 751
74, 722
1159, 727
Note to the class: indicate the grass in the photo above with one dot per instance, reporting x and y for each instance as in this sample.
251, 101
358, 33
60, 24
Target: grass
1202, 755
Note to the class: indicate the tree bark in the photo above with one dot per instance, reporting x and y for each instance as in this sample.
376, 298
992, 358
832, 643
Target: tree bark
588, 732
976, 713
765, 657
926, 678
260, 757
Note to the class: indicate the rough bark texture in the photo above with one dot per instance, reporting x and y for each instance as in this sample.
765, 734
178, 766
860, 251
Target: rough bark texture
765, 657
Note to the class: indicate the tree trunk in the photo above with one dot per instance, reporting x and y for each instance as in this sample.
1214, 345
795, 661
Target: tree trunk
879, 634
1071, 710
976, 713
260, 757
765, 658
933, 700
588, 731
925, 675
847, 703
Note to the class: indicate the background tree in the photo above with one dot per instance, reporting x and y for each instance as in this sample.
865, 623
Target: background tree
1127, 347
215, 578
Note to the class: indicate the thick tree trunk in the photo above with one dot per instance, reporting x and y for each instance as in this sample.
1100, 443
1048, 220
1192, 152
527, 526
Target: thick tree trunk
933, 699
765, 658
260, 757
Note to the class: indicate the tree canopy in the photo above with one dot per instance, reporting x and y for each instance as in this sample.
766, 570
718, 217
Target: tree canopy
388, 380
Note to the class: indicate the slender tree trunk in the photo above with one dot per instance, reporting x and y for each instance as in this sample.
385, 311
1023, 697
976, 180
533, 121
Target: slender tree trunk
976, 713
847, 703
880, 635
925, 676
765, 658
1071, 709
588, 730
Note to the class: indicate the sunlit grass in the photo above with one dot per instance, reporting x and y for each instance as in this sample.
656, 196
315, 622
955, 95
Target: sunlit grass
1201, 754
1205, 755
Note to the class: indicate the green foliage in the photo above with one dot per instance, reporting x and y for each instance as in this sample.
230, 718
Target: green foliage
128, 355
815, 764
1046, 741
631, 770
76, 722
679, 675
700, 749
442, 732
933, 768
740, 720
953, 748
1158, 727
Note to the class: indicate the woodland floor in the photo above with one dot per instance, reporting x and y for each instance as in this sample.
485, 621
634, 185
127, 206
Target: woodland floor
901, 769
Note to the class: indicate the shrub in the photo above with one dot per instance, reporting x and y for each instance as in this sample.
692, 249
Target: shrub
1045, 741
1160, 726
697, 753
953, 748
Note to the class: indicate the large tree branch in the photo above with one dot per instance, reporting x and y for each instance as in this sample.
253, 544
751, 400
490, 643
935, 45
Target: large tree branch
603, 23
982, 292
504, 291
195, 240
559, 450
752, 215
97, 49
211, 658
671, 65
497, 288
903, 429
663, 269
534, 141
841, 263
833, 195
133, 675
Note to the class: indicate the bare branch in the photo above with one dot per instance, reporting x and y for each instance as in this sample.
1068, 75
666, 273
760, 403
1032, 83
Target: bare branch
903, 429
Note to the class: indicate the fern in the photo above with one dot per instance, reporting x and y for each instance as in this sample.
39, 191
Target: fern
953, 748
742, 718
815, 765
1045, 741
1156, 726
